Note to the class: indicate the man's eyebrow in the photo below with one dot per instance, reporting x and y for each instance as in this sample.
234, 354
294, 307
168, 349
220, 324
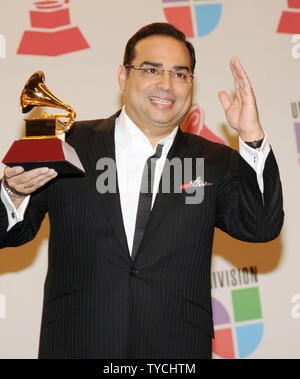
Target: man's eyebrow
157, 64
179, 68
154, 64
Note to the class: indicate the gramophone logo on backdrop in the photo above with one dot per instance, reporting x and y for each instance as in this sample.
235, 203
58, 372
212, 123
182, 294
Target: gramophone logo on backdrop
290, 20
193, 19
51, 33
195, 123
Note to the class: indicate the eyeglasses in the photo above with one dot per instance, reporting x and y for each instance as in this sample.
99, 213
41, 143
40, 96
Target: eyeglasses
154, 73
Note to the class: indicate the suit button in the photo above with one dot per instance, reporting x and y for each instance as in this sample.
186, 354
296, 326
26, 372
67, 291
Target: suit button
133, 271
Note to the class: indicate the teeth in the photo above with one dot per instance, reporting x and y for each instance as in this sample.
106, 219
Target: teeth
161, 101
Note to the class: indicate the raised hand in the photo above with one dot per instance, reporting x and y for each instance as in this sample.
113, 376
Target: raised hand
241, 113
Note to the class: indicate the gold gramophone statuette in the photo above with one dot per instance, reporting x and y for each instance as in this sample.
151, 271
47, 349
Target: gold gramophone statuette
40, 147
36, 94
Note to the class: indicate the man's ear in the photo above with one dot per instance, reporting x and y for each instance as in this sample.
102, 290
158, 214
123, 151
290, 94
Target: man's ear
122, 75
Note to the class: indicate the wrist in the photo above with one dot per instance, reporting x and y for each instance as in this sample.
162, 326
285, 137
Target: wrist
255, 144
11, 192
252, 137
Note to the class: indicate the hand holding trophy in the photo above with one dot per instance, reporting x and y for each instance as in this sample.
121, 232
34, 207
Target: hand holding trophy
41, 147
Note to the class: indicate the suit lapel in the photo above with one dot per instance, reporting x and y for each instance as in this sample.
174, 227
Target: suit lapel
163, 201
111, 201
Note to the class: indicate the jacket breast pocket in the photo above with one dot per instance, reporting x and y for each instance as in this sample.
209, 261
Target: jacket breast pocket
196, 315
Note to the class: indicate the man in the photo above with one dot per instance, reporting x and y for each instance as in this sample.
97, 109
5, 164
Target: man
122, 283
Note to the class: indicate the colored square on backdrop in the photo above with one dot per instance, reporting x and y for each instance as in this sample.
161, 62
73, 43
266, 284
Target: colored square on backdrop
223, 344
246, 304
249, 338
297, 131
181, 18
207, 17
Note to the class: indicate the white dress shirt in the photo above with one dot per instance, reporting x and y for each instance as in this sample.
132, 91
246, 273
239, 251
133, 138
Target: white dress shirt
133, 149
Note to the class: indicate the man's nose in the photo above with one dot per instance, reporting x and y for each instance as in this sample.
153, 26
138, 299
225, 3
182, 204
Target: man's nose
165, 81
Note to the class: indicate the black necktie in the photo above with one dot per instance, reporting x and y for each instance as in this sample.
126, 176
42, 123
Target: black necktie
145, 199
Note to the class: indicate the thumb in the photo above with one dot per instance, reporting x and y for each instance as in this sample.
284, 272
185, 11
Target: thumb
225, 100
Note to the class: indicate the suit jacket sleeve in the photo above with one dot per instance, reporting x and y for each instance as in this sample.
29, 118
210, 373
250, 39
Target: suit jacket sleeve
242, 210
25, 230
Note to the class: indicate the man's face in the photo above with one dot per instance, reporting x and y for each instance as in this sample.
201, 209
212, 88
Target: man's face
157, 105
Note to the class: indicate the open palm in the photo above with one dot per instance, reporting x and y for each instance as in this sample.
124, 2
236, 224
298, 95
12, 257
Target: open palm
241, 113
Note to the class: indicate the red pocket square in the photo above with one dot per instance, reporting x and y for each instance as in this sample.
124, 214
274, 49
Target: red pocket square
195, 183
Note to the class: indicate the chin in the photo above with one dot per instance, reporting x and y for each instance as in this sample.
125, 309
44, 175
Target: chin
164, 122
164, 119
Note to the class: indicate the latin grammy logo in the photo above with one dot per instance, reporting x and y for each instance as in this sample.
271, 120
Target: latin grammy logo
195, 123
52, 33
195, 20
290, 20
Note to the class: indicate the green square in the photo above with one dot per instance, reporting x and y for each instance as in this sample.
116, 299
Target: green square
246, 304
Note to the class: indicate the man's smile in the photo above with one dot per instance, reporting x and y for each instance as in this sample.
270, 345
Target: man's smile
162, 102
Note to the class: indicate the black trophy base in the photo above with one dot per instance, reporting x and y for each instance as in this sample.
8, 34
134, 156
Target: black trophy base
61, 167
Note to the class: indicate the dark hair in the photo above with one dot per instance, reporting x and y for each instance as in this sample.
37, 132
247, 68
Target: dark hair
157, 28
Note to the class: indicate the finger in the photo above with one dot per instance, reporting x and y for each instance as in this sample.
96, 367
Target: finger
225, 100
40, 180
30, 187
238, 85
243, 88
238, 90
240, 74
29, 175
235, 75
238, 80
12, 171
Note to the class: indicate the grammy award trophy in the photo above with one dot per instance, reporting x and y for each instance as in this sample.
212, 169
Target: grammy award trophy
41, 146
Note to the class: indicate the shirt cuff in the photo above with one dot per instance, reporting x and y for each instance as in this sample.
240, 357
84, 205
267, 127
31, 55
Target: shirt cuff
14, 214
256, 158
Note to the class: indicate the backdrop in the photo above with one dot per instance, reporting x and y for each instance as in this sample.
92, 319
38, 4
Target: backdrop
79, 45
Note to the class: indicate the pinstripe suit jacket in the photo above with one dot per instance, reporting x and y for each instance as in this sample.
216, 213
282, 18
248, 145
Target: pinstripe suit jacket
98, 302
